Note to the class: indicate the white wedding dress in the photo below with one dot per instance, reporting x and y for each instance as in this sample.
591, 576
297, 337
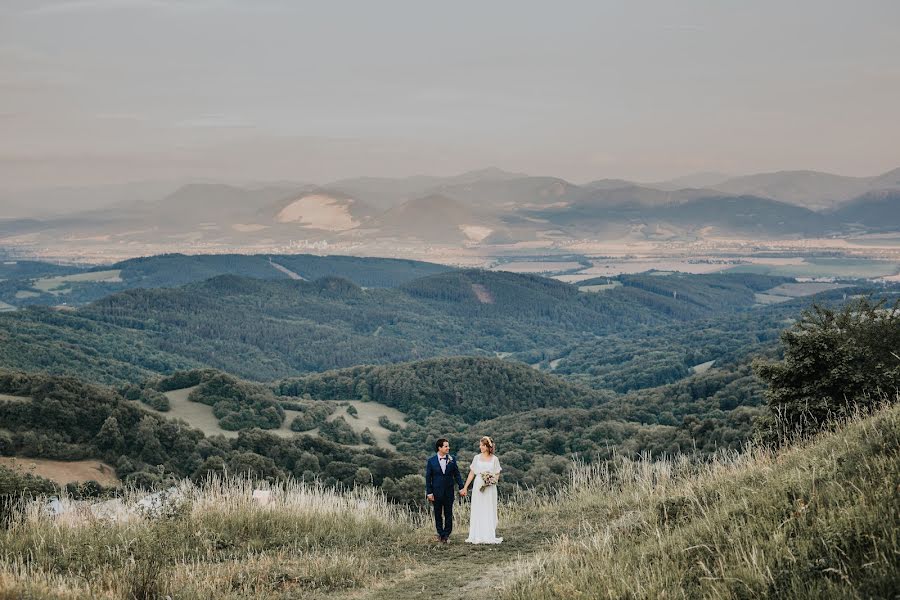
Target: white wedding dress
483, 514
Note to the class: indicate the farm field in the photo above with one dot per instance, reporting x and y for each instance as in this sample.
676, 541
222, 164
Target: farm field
63, 472
848, 268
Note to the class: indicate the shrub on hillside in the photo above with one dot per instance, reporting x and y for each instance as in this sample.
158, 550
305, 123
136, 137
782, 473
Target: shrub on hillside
835, 361
311, 416
239, 404
154, 399
338, 430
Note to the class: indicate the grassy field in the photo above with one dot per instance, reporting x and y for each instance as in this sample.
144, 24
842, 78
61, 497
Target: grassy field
601, 287
8, 398
55, 284
818, 520
849, 268
201, 416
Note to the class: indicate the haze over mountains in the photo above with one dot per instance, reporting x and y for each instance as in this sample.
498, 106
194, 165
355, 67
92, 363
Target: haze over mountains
478, 208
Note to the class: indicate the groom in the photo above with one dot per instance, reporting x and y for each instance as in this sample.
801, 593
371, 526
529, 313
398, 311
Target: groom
440, 473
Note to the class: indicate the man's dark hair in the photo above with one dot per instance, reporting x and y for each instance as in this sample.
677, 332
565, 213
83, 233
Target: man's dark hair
439, 443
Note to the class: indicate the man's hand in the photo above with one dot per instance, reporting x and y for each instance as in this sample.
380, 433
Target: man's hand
463, 492
430, 497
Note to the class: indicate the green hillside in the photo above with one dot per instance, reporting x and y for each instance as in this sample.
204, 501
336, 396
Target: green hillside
268, 329
816, 520
28, 283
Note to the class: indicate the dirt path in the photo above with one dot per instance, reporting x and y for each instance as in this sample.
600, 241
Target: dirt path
286, 271
458, 570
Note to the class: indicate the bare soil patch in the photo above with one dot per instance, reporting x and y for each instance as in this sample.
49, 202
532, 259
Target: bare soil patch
63, 472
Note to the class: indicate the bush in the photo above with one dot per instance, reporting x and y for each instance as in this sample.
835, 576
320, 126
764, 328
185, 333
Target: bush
155, 400
367, 437
311, 416
834, 362
338, 430
388, 424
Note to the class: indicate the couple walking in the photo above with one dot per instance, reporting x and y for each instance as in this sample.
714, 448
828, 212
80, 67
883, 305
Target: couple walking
441, 472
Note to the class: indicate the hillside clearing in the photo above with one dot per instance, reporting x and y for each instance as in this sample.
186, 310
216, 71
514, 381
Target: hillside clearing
600, 287
200, 416
53, 284
8, 398
63, 472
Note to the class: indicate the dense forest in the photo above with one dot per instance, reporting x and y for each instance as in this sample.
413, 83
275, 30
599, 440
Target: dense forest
19, 279
270, 329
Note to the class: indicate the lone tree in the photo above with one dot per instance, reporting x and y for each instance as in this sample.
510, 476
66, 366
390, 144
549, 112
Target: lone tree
834, 362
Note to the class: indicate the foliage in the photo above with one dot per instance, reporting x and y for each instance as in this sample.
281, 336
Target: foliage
835, 361
311, 415
339, 431
238, 404
471, 388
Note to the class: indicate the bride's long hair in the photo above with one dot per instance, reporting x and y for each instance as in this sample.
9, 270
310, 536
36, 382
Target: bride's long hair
488, 443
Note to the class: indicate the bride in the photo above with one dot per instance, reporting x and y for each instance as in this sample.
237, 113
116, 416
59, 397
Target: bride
483, 514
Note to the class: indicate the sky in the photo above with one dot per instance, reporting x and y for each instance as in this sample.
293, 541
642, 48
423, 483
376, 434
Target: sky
112, 91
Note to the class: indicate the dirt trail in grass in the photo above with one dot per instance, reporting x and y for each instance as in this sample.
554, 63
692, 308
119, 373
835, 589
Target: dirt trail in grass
458, 570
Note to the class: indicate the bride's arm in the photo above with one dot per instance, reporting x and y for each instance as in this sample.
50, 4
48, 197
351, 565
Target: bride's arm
469, 479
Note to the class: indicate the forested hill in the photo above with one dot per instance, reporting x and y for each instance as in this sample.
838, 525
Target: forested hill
473, 389
270, 329
25, 283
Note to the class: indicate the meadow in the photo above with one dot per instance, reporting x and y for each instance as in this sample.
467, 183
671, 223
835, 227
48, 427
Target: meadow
200, 416
818, 519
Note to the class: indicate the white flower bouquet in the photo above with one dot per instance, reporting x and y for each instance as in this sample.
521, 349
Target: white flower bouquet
488, 479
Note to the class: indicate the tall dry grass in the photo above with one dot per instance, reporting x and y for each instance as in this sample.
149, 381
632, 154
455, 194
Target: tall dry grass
211, 540
820, 519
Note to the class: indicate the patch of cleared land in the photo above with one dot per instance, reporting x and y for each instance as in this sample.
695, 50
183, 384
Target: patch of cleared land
52, 284
789, 291
63, 472
769, 299
201, 416
602, 287
8, 398
318, 211
26, 294
798, 290
368, 414
4, 307
483, 294
702, 367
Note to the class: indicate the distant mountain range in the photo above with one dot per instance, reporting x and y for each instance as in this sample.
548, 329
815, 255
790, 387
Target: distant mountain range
486, 207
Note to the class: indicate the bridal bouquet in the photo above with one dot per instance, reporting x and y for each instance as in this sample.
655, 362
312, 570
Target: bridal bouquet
488, 479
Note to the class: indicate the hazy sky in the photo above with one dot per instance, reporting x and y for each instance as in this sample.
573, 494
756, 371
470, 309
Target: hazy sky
95, 91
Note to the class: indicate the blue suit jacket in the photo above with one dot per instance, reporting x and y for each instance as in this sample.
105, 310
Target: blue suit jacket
439, 483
